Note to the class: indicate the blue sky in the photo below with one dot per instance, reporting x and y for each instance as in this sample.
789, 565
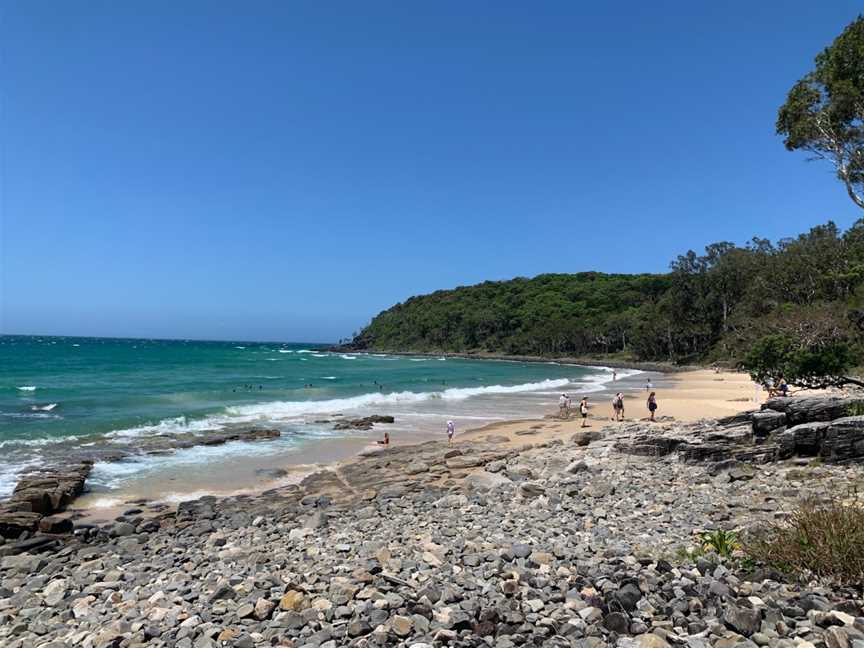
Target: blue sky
284, 170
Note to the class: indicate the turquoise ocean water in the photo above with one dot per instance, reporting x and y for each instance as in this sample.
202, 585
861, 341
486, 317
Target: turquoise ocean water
62, 394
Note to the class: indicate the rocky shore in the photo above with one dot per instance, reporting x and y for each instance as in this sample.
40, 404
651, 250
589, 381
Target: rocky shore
582, 541
42, 494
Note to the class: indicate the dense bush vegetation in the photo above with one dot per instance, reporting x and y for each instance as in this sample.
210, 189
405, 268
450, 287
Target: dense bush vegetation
825, 540
716, 306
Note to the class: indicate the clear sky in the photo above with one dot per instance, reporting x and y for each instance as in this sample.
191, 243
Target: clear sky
284, 170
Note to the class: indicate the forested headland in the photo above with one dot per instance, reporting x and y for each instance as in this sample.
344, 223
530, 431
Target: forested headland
715, 306
794, 307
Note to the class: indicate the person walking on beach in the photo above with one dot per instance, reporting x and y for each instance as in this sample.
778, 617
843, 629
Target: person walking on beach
562, 406
583, 409
451, 430
652, 404
649, 385
614, 375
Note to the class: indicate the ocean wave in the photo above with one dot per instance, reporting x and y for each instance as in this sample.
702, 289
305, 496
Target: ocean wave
9, 475
348, 357
37, 443
239, 347
320, 355
329, 378
27, 388
43, 408
176, 425
304, 351
30, 415
295, 409
461, 393
285, 351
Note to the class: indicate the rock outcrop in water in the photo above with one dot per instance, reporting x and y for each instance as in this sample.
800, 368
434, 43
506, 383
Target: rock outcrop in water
558, 543
50, 490
365, 423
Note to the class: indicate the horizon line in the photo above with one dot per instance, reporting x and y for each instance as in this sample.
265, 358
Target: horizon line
161, 339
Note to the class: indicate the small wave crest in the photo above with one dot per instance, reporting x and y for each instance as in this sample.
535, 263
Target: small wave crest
295, 409
178, 424
27, 388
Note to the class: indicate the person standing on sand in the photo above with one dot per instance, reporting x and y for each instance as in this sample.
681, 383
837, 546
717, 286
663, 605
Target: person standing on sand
583, 409
652, 404
451, 430
618, 407
562, 406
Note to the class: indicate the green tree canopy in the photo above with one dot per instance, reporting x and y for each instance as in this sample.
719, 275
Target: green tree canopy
824, 111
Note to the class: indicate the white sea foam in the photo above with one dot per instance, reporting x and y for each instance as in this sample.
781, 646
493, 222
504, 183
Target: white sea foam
27, 388
239, 347
9, 475
285, 351
287, 410
329, 378
114, 473
38, 442
43, 408
320, 355
348, 357
419, 359
175, 425
305, 351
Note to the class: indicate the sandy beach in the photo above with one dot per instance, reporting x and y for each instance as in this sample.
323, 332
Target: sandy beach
685, 396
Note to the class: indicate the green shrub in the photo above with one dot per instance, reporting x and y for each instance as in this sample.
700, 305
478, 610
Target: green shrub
721, 542
824, 540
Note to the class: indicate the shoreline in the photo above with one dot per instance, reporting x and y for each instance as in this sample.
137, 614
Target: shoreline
658, 367
581, 541
683, 397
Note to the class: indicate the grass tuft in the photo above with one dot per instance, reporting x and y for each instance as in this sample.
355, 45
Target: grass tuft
818, 539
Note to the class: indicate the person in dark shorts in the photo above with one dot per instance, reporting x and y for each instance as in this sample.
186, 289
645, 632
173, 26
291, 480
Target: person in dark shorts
583, 410
652, 404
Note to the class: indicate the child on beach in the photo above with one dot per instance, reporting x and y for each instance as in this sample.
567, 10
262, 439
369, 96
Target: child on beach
652, 404
451, 430
583, 409
386, 440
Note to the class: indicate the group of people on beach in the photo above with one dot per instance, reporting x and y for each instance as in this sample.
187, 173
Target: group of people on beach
565, 406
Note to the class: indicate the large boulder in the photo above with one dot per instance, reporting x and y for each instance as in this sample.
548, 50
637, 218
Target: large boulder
14, 523
767, 421
803, 440
811, 408
486, 481
844, 439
